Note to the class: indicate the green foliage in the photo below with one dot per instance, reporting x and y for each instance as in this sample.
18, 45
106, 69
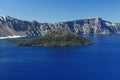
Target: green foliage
59, 37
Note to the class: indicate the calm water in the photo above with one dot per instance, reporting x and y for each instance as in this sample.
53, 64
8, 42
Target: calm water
101, 61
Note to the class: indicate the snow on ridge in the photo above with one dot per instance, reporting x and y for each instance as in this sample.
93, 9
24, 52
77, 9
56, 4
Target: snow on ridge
92, 18
3, 17
9, 37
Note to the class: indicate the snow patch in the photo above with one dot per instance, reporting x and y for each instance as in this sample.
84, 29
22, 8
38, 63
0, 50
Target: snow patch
108, 24
113, 24
9, 37
91, 18
3, 17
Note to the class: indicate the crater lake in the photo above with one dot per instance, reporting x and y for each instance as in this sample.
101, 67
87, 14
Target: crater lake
100, 61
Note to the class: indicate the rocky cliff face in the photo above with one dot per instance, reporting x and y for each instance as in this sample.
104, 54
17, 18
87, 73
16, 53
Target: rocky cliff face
14, 27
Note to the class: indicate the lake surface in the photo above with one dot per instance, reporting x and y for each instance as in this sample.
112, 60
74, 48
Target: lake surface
100, 61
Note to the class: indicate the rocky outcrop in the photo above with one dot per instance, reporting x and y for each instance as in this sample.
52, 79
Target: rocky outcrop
14, 27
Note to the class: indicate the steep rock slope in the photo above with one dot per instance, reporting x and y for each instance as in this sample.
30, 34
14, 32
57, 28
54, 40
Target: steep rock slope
14, 27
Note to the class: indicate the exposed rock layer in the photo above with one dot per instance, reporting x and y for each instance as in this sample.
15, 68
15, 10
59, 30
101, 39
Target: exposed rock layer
14, 27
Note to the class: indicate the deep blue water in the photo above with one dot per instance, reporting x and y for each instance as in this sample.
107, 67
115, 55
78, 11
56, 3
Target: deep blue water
100, 61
